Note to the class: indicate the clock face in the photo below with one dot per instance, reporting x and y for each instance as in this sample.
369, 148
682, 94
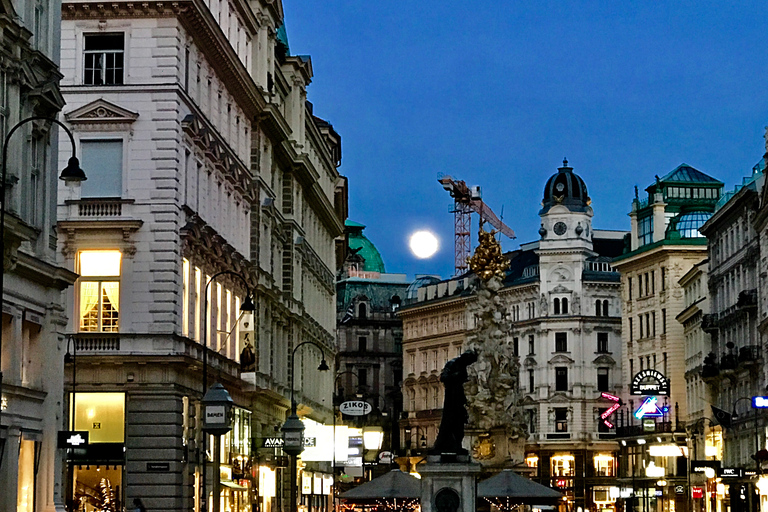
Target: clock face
560, 187
560, 228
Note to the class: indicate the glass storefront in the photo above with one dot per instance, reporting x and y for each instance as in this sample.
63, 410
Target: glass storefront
95, 474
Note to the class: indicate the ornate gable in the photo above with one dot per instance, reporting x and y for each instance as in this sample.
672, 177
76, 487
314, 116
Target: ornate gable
101, 115
560, 359
604, 360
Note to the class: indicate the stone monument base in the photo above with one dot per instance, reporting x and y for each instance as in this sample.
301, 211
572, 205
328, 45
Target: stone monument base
448, 483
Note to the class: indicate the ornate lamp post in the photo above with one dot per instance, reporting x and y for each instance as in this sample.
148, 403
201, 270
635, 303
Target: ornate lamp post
246, 307
217, 420
72, 173
293, 428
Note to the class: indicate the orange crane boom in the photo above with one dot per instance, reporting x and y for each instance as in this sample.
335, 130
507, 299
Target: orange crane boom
466, 201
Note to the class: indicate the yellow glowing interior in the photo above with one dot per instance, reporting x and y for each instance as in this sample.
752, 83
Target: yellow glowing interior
100, 263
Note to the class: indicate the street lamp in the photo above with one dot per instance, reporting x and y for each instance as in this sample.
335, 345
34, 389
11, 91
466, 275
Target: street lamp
735, 415
72, 173
246, 307
217, 421
293, 428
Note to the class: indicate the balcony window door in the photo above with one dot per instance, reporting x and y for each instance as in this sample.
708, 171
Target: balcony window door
99, 291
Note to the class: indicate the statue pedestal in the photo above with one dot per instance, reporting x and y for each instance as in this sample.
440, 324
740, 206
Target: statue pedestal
448, 484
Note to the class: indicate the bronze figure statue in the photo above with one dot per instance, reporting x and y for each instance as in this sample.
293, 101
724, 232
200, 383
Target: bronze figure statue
455, 415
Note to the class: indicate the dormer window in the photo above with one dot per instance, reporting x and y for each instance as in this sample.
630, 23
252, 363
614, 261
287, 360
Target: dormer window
560, 306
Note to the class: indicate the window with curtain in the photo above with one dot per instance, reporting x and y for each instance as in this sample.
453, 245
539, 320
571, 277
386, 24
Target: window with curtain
99, 290
104, 159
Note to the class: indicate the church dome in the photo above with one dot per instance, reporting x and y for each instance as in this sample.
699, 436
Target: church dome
565, 188
359, 244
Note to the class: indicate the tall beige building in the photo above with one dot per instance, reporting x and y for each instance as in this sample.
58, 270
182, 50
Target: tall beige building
665, 243
216, 183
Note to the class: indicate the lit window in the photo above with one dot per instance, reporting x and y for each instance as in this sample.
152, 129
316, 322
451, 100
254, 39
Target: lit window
104, 59
532, 461
561, 421
563, 465
185, 298
604, 465
99, 291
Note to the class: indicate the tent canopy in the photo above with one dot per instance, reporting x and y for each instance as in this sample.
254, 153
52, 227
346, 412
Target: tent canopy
508, 484
394, 484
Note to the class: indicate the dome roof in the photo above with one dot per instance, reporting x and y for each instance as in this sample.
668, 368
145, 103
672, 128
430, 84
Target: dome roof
412, 293
363, 247
565, 188
688, 224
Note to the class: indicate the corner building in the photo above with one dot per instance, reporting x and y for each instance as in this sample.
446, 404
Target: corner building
664, 245
208, 161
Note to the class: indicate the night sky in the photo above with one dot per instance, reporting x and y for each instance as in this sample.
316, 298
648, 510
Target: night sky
498, 93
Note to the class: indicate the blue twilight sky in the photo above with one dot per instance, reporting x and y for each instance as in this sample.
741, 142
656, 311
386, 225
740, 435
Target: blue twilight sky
497, 93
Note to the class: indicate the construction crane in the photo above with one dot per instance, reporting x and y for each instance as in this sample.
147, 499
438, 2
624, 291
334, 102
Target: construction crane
468, 200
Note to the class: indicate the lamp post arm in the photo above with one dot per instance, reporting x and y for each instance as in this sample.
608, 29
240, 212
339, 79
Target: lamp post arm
293, 370
3, 179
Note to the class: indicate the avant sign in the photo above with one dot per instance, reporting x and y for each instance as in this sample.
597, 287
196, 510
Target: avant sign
649, 383
355, 408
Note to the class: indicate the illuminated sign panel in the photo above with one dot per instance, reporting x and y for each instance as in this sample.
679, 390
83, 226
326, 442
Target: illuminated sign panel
649, 382
760, 402
649, 409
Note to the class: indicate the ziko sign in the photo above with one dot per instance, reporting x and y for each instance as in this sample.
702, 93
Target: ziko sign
649, 383
355, 408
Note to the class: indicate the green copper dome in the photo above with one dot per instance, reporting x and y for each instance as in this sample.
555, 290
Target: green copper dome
359, 244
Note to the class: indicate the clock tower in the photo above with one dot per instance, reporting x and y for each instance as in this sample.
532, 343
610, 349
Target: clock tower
566, 241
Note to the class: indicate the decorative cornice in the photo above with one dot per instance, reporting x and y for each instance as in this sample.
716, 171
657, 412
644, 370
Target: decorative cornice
202, 241
99, 113
201, 25
217, 151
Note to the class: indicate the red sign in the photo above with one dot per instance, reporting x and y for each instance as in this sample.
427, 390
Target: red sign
697, 492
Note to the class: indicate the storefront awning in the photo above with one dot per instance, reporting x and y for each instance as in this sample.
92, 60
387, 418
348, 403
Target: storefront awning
233, 485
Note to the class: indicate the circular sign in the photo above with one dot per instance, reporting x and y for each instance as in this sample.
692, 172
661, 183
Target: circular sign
385, 458
355, 408
649, 383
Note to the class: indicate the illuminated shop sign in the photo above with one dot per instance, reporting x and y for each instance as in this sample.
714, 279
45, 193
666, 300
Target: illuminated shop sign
649, 382
612, 409
650, 409
760, 402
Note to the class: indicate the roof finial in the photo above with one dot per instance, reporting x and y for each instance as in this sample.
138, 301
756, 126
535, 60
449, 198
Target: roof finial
565, 162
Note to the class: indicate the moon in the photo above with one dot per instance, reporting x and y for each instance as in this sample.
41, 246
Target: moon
423, 244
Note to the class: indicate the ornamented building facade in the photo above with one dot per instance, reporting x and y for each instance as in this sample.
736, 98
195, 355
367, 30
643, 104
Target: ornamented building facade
733, 368
369, 361
665, 243
215, 183
32, 346
562, 300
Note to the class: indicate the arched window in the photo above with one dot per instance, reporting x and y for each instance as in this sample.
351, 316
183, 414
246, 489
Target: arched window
598, 308
605, 307
556, 308
362, 311
565, 306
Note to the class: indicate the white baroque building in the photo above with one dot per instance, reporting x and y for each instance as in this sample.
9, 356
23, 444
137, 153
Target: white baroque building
33, 313
563, 307
207, 162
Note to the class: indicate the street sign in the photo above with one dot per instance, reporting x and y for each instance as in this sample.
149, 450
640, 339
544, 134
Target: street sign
73, 438
385, 458
355, 408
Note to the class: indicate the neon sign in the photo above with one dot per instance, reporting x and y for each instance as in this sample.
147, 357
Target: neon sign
650, 409
649, 382
613, 408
